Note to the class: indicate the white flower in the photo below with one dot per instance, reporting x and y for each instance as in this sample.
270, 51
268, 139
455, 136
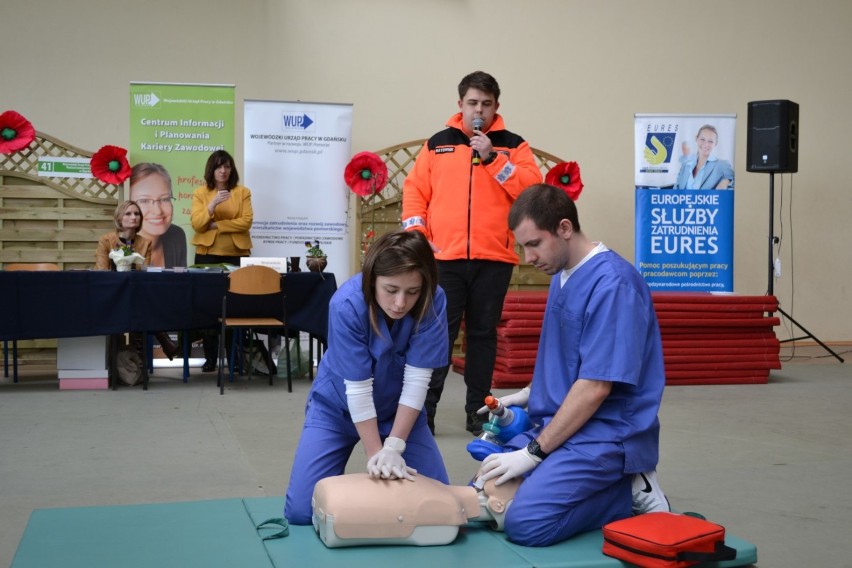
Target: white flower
119, 258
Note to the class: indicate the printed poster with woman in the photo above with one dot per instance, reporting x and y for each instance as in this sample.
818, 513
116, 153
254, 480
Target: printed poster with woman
684, 182
174, 127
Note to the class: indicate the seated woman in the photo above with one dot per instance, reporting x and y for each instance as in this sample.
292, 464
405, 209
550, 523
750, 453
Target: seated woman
128, 220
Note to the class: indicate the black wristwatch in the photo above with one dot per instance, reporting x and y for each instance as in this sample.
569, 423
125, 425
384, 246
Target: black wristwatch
535, 449
491, 157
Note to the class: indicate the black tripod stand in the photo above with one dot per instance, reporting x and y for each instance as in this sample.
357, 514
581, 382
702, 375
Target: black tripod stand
770, 286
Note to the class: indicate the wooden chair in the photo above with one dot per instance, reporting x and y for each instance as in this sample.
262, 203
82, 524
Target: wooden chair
254, 300
33, 267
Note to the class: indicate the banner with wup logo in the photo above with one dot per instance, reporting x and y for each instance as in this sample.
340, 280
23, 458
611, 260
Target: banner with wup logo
295, 154
684, 178
178, 126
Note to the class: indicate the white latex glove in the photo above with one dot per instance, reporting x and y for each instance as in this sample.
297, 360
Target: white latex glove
507, 465
520, 398
388, 462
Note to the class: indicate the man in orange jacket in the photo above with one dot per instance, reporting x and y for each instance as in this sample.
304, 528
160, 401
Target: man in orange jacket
458, 194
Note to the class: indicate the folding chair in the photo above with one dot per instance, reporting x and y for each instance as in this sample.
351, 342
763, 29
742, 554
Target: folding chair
254, 300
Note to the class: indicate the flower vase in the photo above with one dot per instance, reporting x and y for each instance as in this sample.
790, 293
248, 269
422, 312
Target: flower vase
316, 263
124, 262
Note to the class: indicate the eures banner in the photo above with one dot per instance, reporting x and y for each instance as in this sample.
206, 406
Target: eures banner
684, 183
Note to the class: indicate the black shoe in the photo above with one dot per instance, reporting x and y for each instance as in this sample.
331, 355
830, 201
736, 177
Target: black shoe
169, 347
475, 422
209, 366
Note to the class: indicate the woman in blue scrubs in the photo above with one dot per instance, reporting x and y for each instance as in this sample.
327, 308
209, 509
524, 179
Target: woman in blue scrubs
387, 330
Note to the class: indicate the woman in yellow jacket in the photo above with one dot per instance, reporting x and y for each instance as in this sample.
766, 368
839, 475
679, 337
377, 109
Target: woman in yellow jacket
221, 217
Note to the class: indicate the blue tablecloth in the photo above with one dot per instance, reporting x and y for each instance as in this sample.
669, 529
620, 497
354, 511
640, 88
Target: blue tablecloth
82, 303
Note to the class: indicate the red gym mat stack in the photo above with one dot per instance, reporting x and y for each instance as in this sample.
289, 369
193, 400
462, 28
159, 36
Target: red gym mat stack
717, 339
517, 339
707, 338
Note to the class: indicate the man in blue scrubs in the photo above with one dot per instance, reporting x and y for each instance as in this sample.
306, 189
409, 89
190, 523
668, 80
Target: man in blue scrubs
596, 388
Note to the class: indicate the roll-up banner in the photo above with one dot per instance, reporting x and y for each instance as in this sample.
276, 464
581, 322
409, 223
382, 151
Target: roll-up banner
295, 154
684, 196
178, 126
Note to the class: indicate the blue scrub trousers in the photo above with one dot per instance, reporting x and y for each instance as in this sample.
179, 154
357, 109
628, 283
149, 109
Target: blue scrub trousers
324, 453
577, 488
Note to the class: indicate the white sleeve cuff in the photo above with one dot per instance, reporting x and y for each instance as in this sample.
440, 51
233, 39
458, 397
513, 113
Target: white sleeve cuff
359, 398
415, 383
413, 222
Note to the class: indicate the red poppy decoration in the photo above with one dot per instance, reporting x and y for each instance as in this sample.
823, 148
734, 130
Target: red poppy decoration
366, 174
16, 132
109, 164
566, 176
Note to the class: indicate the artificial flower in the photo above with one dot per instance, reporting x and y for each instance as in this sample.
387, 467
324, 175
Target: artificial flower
566, 176
126, 249
124, 259
366, 174
16, 132
109, 164
314, 248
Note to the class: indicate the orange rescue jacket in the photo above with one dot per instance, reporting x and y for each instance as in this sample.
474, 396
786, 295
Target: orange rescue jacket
464, 208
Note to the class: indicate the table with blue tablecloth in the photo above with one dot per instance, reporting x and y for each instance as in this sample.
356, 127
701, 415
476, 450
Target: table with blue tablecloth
86, 303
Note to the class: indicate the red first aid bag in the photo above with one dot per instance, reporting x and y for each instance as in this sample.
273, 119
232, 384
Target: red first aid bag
666, 540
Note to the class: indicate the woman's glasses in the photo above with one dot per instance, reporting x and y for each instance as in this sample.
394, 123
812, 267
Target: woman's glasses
162, 202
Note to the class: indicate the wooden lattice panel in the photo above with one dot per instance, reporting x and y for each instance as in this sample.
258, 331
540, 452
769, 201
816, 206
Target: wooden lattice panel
51, 219
25, 164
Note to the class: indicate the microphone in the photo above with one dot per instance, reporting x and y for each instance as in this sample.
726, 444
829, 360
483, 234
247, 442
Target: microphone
477, 127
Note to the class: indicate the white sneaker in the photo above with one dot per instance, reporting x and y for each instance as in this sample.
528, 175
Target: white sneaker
647, 495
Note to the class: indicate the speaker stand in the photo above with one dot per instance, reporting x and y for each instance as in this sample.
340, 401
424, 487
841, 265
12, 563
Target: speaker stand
770, 290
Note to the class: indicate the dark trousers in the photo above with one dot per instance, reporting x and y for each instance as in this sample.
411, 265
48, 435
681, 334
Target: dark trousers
210, 337
476, 290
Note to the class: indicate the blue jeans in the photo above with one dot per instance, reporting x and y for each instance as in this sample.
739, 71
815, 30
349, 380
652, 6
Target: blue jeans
476, 290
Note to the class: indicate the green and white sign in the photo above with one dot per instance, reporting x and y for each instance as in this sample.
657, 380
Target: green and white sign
64, 167
178, 126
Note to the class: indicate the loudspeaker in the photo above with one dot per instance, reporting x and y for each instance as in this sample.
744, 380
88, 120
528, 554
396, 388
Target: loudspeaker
773, 136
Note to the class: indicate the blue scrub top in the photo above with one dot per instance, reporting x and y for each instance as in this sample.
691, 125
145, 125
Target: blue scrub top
356, 353
602, 325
